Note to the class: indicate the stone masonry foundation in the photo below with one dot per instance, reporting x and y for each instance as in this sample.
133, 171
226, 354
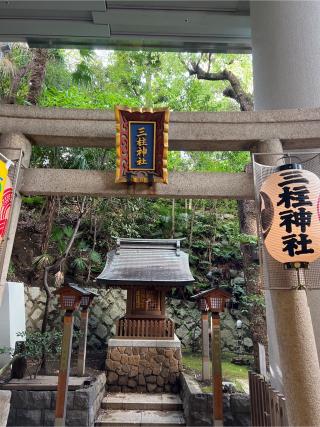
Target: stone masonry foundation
31, 407
143, 365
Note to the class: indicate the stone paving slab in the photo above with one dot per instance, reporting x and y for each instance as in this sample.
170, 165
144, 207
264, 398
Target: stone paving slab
142, 401
117, 418
161, 418
42, 382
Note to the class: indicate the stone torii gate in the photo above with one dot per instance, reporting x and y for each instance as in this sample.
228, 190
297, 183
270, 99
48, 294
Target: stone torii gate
264, 132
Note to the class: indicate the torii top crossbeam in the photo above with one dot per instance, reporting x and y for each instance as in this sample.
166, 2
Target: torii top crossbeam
188, 131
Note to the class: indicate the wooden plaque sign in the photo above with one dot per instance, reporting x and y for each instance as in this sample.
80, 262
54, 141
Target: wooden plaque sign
142, 144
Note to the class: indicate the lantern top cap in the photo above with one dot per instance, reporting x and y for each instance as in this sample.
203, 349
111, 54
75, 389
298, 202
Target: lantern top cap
92, 293
212, 292
77, 289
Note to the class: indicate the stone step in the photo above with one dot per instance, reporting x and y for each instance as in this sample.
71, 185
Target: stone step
142, 401
123, 418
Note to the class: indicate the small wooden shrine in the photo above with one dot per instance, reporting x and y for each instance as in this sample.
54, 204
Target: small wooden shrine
148, 269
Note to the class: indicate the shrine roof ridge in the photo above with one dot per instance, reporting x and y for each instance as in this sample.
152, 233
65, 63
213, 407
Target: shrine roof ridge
149, 243
208, 291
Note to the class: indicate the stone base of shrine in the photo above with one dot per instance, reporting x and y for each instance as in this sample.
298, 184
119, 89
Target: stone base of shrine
138, 365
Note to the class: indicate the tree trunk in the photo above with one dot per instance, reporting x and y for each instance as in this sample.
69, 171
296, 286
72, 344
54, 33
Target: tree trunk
95, 229
38, 72
173, 218
193, 214
257, 314
48, 222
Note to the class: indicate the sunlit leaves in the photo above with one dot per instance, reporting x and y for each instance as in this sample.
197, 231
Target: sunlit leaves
42, 260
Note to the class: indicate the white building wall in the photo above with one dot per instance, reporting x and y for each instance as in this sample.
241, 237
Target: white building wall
12, 316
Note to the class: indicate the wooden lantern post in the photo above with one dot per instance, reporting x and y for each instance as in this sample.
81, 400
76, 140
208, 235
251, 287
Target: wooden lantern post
205, 346
70, 297
85, 303
205, 339
217, 371
215, 301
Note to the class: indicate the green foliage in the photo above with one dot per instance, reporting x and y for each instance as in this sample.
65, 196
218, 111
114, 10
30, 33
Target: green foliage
68, 232
236, 374
6, 350
250, 301
11, 271
38, 345
80, 264
248, 239
61, 236
42, 260
95, 257
33, 201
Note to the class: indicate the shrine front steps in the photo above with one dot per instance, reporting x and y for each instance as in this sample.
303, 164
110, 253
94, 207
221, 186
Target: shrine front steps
135, 409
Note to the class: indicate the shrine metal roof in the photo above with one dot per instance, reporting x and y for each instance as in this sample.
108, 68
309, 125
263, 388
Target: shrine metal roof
146, 262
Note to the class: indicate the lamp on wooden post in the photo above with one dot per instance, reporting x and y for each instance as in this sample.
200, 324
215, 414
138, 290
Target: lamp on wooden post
85, 303
69, 298
215, 300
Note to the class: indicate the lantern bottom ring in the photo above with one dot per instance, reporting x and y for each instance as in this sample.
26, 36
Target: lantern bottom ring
296, 265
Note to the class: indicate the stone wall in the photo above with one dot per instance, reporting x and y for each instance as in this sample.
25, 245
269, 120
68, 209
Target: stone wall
143, 366
36, 408
186, 317
107, 307
111, 304
198, 406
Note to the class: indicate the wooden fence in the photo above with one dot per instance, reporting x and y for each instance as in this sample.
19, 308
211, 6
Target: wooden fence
268, 407
145, 328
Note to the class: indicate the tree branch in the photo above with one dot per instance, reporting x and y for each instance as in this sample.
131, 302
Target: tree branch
234, 91
57, 264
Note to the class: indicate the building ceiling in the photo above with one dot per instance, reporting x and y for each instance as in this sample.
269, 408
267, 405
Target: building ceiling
210, 26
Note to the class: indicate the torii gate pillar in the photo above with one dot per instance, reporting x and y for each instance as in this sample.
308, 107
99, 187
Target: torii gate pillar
286, 42
10, 146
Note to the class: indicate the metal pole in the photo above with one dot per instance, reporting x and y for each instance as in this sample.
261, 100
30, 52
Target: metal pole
205, 346
81, 366
63, 380
217, 372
